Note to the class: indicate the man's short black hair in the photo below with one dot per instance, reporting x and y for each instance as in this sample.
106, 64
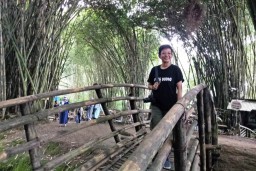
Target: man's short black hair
162, 47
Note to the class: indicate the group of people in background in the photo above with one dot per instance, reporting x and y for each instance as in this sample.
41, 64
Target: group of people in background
92, 112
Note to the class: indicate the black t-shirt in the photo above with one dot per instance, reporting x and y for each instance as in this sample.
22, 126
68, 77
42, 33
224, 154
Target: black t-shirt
166, 95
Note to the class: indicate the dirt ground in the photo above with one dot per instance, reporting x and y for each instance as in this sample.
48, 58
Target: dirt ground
237, 154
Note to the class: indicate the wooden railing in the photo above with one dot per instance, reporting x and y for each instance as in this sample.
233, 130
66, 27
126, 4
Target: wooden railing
247, 132
156, 144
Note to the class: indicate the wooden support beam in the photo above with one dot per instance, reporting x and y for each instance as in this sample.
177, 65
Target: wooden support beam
135, 116
191, 154
201, 128
208, 126
148, 148
31, 135
214, 123
212, 147
195, 164
106, 111
161, 156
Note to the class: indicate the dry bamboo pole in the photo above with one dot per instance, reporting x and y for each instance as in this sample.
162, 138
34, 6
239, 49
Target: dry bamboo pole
148, 148
195, 164
83, 149
36, 143
31, 135
106, 111
191, 154
103, 157
208, 126
200, 108
163, 153
180, 145
25, 99
12, 123
135, 117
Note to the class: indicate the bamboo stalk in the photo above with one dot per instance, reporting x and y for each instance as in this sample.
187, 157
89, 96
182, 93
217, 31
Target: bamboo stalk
147, 149
200, 108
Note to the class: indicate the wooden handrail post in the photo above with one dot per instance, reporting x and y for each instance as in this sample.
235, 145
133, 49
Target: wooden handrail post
106, 111
214, 123
180, 145
31, 135
208, 126
200, 108
135, 117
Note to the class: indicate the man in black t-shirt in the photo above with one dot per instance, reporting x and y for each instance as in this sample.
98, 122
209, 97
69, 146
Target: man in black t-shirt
167, 88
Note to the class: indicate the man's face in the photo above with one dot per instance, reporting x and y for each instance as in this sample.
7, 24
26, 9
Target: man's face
166, 55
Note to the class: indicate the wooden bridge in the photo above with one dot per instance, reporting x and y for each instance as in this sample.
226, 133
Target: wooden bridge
145, 150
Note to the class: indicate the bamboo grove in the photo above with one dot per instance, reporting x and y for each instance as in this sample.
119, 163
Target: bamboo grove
225, 45
115, 41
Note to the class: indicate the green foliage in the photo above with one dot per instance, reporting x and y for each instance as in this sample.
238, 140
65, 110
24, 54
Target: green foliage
53, 148
17, 163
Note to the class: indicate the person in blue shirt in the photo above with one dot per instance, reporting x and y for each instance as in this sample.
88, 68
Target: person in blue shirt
64, 114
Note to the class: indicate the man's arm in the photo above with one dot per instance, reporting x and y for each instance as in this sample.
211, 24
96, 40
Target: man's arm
179, 88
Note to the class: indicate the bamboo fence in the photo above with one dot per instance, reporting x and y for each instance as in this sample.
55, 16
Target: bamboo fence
175, 131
